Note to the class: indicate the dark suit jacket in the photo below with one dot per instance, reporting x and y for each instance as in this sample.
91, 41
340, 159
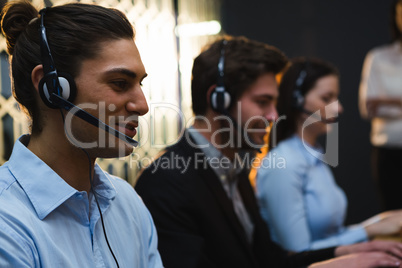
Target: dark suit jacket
195, 219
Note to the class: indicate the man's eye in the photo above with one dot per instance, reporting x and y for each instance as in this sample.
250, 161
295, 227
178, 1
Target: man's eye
261, 102
120, 84
326, 99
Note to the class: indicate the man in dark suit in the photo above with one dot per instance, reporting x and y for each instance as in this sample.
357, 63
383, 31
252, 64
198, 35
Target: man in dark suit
198, 190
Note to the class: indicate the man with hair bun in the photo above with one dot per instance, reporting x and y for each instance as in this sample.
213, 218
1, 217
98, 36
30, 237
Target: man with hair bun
58, 207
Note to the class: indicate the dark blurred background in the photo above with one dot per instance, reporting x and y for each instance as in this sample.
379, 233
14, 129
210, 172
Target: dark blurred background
338, 31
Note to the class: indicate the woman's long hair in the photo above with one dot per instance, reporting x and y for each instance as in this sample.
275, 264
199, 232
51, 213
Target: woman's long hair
300, 77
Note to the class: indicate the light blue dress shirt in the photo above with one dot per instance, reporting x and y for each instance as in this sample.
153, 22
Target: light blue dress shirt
44, 222
300, 201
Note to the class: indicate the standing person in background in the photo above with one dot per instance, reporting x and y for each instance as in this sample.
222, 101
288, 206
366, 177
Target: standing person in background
58, 207
381, 102
300, 201
198, 190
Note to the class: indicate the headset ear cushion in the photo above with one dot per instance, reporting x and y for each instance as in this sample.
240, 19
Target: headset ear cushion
45, 94
69, 88
220, 99
298, 99
66, 82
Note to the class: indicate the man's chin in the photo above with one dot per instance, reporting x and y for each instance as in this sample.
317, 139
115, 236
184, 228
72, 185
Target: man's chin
253, 144
112, 152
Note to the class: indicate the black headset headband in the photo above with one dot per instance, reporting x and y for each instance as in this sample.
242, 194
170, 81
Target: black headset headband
297, 92
49, 68
221, 65
220, 99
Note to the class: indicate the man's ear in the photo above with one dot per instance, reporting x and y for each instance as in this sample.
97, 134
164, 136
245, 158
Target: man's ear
209, 92
36, 76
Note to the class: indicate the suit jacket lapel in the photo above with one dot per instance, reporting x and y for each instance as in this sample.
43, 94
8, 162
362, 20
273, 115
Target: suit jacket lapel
215, 186
248, 196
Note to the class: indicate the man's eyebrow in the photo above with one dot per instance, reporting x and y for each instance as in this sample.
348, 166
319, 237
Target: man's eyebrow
266, 96
125, 72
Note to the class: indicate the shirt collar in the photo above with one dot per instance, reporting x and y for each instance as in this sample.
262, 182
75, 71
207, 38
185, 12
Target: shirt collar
103, 184
45, 188
313, 155
222, 166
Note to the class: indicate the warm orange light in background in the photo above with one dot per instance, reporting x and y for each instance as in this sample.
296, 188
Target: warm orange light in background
278, 77
264, 150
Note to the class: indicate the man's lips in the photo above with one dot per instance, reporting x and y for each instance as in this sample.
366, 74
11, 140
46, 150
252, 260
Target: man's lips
128, 128
259, 129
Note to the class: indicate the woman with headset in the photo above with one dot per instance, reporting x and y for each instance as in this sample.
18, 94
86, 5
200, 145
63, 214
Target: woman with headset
299, 200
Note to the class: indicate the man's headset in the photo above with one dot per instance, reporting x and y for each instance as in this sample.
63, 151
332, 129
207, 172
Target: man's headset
221, 99
58, 90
